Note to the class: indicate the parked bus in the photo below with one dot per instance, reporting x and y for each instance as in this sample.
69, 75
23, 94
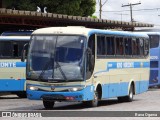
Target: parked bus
86, 65
12, 70
154, 38
154, 59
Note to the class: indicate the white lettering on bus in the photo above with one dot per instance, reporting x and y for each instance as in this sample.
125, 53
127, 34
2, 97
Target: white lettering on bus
154, 57
128, 65
119, 65
7, 64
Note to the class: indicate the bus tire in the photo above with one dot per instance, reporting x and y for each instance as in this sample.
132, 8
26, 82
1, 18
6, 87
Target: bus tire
21, 94
129, 98
48, 104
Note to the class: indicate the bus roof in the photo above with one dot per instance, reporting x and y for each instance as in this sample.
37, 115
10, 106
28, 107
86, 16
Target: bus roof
85, 31
17, 33
16, 38
153, 33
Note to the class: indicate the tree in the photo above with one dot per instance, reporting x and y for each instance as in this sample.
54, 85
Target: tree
70, 7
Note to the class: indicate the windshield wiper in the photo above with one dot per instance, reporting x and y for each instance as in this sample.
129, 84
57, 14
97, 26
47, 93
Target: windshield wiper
44, 69
60, 69
57, 64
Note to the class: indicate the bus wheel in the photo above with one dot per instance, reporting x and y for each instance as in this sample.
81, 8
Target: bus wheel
129, 98
21, 94
48, 104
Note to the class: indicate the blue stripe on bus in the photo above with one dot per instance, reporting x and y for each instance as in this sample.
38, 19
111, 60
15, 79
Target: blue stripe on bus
108, 91
123, 65
120, 65
20, 64
7, 85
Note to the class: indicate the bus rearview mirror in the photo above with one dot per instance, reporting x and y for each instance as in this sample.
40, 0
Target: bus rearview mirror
23, 54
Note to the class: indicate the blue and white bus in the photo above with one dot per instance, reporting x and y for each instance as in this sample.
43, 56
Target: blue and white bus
154, 59
12, 70
86, 65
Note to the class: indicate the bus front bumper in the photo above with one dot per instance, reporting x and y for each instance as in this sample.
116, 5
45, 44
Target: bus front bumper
82, 95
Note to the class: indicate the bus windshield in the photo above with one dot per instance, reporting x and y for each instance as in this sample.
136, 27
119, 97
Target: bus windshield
56, 58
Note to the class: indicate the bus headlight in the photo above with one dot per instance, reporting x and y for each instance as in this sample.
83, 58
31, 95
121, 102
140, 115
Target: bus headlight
32, 88
75, 89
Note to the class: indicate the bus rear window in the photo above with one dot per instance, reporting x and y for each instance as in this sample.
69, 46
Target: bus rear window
154, 41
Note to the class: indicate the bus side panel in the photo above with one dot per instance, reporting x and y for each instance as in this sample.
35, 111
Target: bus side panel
144, 86
141, 86
116, 81
105, 89
12, 75
123, 89
11, 85
154, 67
113, 89
137, 87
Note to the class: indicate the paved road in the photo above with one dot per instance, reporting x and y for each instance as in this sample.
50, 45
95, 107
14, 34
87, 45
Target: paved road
148, 101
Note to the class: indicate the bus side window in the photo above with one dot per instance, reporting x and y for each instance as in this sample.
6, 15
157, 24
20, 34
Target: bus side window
134, 46
119, 46
91, 44
90, 57
15, 49
128, 46
101, 45
141, 47
138, 46
146, 47
110, 45
6, 49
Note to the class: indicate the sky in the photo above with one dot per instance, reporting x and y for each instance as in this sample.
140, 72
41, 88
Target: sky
148, 11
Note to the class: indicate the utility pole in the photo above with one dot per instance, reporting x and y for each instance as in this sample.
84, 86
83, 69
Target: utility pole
100, 7
130, 4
